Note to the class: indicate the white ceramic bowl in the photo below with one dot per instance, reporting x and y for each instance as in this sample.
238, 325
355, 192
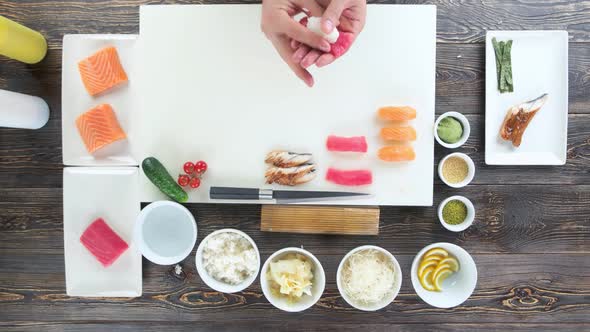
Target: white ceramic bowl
221, 286
464, 123
468, 220
319, 282
457, 288
386, 301
470, 172
165, 232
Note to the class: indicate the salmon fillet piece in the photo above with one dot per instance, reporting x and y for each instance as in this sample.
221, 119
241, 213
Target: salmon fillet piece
396, 153
399, 134
397, 113
102, 71
99, 127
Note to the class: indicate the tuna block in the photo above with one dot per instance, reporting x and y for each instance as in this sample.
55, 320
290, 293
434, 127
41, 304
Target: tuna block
103, 243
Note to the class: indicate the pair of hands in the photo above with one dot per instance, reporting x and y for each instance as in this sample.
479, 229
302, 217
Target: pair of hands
298, 46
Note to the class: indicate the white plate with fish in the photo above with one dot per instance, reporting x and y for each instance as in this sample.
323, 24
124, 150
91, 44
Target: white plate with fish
76, 100
110, 194
529, 125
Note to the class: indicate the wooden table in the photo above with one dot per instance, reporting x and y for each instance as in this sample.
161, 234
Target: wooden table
531, 238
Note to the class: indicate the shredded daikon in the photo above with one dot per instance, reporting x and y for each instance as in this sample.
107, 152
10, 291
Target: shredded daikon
368, 276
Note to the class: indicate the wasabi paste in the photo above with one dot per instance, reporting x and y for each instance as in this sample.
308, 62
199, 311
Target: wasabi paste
450, 130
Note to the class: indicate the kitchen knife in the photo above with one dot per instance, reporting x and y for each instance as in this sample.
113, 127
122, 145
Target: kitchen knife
270, 194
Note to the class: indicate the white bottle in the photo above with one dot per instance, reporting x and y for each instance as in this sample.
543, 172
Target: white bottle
18, 110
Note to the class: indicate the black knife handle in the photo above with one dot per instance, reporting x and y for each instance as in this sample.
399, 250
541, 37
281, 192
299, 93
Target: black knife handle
234, 193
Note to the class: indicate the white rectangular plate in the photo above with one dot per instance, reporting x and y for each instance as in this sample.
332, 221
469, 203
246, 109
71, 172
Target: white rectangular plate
539, 65
76, 100
214, 88
111, 194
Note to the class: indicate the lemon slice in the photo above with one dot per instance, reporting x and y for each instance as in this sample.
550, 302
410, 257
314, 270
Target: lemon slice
439, 268
436, 251
426, 279
440, 277
437, 258
452, 262
426, 264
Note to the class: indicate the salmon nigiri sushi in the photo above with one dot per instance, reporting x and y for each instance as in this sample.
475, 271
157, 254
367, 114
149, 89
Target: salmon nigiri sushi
397, 113
398, 133
396, 153
99, 127
102, 71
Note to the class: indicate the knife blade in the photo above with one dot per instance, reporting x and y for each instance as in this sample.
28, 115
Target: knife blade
269, 194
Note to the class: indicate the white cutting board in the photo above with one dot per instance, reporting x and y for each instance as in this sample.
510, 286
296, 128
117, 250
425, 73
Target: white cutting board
213, 88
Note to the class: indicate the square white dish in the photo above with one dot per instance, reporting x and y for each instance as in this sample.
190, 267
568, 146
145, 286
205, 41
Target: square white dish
76, 100
539, 65
112, 194
228, 98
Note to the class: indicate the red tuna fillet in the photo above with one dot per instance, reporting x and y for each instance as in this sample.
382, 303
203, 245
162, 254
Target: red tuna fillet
103, 243
346, 144
350, 178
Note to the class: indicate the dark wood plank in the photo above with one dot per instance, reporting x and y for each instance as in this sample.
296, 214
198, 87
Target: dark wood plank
533, 288
279, 326
509, 219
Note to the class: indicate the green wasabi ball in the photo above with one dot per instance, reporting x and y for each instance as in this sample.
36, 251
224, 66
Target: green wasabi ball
450, 130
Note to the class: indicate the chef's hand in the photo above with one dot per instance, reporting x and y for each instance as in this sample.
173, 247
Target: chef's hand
347, 15
280, 28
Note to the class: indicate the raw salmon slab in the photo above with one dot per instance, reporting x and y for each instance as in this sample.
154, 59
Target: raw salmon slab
99, 127
102, 71
103, 243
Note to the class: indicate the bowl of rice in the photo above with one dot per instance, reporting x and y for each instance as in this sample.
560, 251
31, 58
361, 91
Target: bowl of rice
369, 278
228, 260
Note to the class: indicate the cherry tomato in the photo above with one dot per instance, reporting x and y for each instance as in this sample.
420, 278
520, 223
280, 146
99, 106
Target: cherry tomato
200, 166
195, 183
183, 180
189, 167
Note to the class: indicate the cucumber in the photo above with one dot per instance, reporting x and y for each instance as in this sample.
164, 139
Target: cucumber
157, 173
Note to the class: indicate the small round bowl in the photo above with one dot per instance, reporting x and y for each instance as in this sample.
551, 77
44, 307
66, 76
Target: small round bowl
385, 302
283, 303
470, 172
468, 220
221, 286
464, 124
457, 288
165, 232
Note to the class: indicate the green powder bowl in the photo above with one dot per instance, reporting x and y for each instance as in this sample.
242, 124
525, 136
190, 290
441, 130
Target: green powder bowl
456, 203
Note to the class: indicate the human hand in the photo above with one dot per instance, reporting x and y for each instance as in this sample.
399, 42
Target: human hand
347, 15
280, 28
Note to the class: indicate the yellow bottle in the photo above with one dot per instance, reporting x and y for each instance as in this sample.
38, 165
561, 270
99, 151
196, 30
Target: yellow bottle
21, 43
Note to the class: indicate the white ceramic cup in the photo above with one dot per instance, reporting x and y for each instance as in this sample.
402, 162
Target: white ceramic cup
386, 301
165, 232
457, 288
306, 301
468, 220
464, 123
221, 286
470, 170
